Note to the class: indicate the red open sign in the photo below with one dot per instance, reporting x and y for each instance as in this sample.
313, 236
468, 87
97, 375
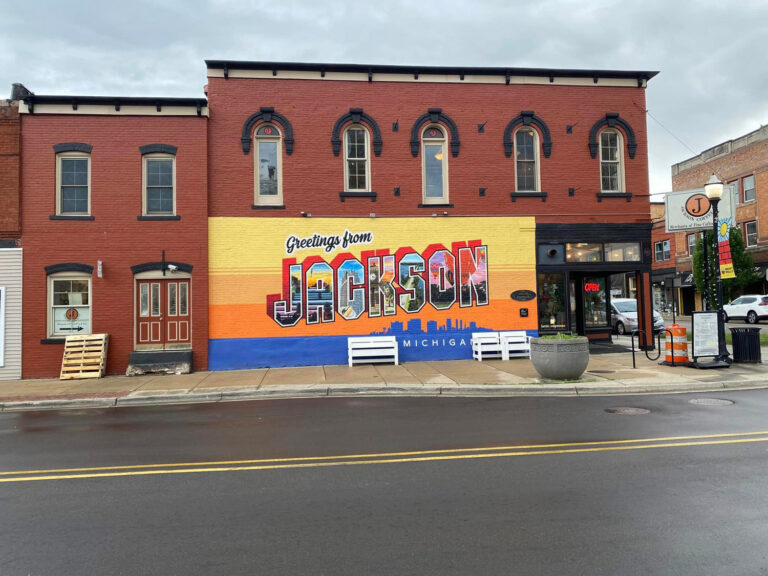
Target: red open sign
591, 287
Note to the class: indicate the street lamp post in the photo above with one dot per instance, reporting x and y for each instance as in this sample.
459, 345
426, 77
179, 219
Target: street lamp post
714, 191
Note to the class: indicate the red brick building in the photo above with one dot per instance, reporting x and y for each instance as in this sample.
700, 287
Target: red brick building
743, 163
664, 253
402, 151
319, 201
114, 228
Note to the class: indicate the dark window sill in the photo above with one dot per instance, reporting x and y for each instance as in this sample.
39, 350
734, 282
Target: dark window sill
52, 340
435, 205
267, 207
515, 195
158, 217
625, 195
344, 195
57, 217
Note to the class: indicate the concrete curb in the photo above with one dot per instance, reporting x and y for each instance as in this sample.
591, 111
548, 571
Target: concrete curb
166, 397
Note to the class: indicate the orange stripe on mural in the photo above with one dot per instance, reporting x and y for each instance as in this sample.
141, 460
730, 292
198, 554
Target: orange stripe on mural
251, 320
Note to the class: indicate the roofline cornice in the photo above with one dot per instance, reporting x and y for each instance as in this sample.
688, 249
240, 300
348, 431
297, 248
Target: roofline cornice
416, 70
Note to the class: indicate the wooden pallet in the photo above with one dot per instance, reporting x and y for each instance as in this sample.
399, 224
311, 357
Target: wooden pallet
84, 356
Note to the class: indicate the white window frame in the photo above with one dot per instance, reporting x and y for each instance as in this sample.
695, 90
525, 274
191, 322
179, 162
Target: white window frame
691, 246
432, 141
71, 155
753, 189
49, 300
536, 173
620, 144
144, 197
746, 234
663, 251
258, 199
366, 159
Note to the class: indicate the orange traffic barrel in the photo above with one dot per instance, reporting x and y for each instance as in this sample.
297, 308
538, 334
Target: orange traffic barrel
677, 346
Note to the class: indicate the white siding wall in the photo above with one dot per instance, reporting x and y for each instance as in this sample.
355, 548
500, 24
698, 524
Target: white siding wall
10, 278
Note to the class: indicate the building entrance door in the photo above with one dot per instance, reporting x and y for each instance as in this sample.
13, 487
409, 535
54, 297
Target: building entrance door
163, 314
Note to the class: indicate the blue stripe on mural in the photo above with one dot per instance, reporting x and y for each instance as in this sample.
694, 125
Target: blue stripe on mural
243, 353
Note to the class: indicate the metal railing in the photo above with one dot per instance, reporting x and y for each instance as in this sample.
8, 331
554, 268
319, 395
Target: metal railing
658, 345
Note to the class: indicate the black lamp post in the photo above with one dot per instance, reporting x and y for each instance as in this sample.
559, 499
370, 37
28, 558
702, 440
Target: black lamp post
714, 191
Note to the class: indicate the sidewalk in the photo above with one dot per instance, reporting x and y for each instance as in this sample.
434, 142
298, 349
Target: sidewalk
608, 372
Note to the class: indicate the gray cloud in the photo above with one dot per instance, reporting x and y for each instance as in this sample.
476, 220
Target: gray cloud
711, 88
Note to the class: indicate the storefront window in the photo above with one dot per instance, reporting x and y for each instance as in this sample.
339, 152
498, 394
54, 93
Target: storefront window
622, 252
551, 302
584, 252
595, 305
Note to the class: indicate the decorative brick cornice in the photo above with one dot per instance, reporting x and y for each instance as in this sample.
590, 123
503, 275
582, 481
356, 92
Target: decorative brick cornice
356, 116
527, 118
267, 114
612, 120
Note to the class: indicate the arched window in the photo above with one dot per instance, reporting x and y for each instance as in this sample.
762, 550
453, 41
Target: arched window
357, 172
435, 165
526, 160
268, 166
611, 161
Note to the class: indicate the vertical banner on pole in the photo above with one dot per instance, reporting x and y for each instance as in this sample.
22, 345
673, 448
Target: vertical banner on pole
724, 248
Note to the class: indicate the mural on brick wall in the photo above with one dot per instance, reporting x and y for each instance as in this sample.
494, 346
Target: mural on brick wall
289, 291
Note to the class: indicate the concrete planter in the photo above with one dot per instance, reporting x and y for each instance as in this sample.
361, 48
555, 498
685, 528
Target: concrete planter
556, 359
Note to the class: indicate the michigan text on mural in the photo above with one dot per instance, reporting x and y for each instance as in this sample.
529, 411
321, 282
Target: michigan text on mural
378, 283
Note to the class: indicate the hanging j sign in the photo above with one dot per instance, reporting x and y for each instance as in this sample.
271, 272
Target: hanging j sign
691, 209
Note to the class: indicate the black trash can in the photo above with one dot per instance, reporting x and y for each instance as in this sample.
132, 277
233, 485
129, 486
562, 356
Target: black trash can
746, 345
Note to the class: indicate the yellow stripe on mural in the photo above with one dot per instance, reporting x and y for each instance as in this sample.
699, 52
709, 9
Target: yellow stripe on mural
254, 295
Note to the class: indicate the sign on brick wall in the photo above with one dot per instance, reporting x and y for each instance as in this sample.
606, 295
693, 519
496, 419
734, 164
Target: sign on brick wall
289, 291
691, 210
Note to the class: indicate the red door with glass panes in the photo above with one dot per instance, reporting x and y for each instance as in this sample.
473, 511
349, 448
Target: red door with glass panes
163, 319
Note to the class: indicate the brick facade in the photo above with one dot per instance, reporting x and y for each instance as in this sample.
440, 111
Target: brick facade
732, 161
115, 236
10, 199
313, 176
215, 191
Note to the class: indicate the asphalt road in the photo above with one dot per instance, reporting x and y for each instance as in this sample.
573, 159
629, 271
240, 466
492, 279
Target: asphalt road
427, 486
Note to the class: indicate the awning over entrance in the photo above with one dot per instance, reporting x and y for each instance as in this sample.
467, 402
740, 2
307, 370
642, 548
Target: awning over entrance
684, 280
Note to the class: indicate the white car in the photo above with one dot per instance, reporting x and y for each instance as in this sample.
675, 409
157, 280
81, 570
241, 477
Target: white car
750, 307
624, 316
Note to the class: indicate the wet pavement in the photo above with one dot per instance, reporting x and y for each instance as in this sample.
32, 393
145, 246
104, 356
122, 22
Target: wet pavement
610, 371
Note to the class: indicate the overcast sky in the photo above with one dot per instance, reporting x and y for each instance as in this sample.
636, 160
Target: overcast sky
712, 86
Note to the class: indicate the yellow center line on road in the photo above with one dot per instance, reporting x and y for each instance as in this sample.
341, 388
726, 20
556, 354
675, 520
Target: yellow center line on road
46, 475
377, 455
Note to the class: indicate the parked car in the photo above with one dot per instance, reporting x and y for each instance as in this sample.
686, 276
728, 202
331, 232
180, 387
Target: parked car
624, 316
750, 307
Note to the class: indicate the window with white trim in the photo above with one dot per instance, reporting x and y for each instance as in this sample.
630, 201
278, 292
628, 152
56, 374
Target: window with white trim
434, 165
73, 184
356, 155
750, 233
159, 198
691, 244
69, 304
749, 188
526, 160
268, 166
661, 250
611, 161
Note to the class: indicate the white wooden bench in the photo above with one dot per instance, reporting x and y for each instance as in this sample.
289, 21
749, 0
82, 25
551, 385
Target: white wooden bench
486, 345
515, 344
369, 349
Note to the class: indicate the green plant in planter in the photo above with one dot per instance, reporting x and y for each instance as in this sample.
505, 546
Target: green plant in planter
560, 336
